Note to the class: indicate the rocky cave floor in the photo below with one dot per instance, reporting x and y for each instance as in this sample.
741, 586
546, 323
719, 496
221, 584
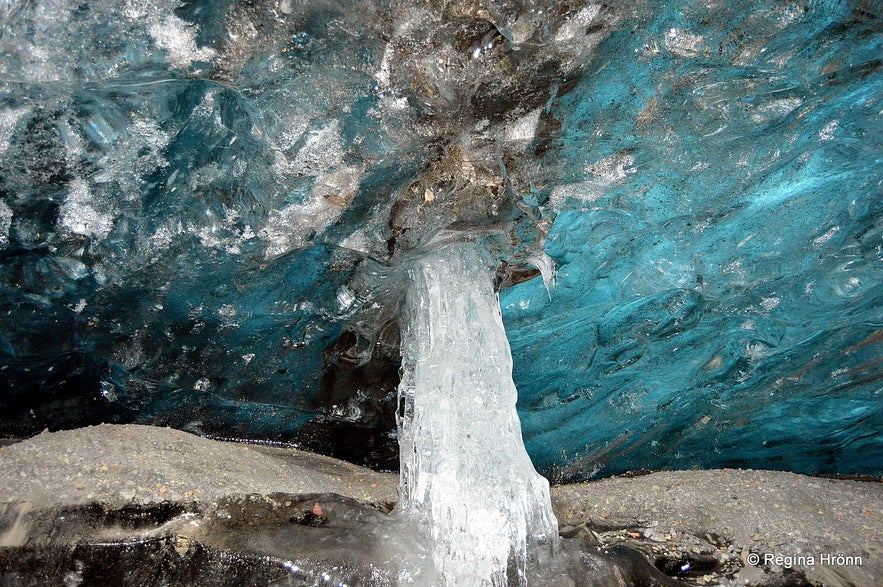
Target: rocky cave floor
143, 505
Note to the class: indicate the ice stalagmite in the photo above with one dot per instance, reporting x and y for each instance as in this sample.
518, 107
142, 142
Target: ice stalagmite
466, 478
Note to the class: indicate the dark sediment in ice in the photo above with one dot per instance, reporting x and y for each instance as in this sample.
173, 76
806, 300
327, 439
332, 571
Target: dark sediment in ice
142, 505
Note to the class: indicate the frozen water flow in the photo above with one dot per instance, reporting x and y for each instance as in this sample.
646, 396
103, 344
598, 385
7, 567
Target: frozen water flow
546, 266
465, 475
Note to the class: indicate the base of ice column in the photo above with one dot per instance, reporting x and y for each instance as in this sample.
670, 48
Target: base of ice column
465, 475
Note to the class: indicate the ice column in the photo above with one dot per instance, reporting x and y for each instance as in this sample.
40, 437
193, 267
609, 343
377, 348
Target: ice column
466, 478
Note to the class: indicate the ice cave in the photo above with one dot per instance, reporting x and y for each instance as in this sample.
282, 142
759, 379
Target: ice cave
441, 292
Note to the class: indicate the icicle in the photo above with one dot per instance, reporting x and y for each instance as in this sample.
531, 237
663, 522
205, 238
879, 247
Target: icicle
547, 268
465, 475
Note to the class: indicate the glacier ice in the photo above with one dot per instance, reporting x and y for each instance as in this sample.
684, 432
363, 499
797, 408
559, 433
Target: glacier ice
190, 191
465, 476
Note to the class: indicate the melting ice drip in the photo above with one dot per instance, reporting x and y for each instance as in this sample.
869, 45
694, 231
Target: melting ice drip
466, 478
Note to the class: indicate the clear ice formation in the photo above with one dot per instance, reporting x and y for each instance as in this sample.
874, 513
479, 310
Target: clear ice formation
465, 476
191, 194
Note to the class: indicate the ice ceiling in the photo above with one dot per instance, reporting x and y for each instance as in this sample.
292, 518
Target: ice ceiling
207, 210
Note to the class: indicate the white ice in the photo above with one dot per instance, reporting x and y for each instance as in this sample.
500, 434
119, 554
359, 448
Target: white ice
465, 475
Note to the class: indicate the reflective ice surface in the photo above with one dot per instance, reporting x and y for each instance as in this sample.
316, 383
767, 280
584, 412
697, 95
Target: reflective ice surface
193, 197
718, 241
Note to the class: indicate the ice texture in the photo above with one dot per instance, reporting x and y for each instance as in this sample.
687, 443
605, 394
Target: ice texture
683, 200
717, 236
465, 475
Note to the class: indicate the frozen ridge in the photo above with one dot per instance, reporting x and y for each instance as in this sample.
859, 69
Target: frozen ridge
466, 478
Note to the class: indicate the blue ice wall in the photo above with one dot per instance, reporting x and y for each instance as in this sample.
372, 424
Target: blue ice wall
718, 299
203, 207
